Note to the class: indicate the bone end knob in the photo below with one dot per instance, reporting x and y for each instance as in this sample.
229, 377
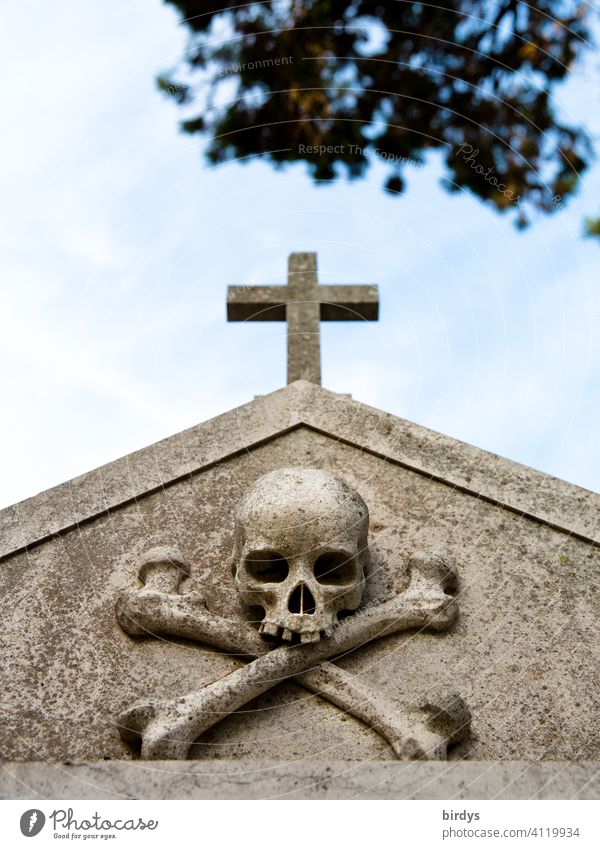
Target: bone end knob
162, 569
448, 715
434, 568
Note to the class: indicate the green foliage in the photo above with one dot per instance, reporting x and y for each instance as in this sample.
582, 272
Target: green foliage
336, 84
592, 227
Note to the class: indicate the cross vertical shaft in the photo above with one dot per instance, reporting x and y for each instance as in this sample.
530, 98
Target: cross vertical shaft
303, 316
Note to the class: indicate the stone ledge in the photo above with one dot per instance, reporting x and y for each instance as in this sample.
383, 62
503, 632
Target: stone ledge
300, 780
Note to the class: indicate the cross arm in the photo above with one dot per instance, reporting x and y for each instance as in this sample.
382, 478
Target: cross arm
337, 303
256, 303
349, 303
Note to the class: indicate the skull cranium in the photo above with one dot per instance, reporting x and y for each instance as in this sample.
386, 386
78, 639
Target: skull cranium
301, 551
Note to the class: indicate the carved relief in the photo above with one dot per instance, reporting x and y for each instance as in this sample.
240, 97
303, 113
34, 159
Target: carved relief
301, 556
301, 551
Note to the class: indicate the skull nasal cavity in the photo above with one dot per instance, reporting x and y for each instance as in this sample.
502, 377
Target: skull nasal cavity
301, 600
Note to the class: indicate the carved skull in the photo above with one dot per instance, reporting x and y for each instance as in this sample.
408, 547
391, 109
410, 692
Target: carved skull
301, 551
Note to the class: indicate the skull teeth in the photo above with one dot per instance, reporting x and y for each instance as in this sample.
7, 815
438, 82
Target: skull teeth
270, 628
310, 636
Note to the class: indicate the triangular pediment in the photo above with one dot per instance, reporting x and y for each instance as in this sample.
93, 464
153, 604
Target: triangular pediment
525, 546
469, 469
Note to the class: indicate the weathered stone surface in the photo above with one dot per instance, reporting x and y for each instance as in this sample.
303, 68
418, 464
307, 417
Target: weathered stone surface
324, 780
523, 654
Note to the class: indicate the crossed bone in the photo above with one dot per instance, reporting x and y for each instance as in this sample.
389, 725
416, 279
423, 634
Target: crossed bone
168, 728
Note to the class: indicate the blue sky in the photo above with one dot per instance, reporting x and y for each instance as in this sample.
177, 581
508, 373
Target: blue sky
119, 244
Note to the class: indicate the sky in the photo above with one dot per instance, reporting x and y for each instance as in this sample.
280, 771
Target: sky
119, 243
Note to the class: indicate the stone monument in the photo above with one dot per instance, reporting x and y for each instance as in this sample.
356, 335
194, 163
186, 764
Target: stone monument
304, 597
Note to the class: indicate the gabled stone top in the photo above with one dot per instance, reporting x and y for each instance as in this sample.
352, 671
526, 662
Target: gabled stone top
484, 475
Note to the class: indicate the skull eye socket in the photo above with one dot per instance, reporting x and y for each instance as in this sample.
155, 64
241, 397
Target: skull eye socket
268, 567
335, 568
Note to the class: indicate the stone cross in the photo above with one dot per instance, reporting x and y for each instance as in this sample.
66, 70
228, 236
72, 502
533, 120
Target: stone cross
303, 303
